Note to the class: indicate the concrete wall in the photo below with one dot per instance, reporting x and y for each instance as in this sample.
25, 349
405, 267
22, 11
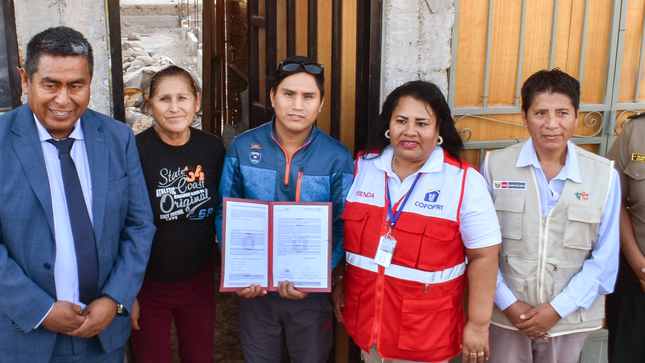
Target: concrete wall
86, 16
416, 42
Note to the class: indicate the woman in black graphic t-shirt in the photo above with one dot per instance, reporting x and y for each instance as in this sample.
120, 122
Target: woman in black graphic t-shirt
182, 168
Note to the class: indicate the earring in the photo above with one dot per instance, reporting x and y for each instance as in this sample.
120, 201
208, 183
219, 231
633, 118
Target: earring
440, 140
387, 133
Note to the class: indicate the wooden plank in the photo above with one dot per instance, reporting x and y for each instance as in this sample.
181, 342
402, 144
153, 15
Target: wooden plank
507, 18
254, 62
597, 49
271, 47
114, 20
281, 30
312, 29
262, 81
375, 32
361, 121
537, 37
213, 84
13, 63
471, 53
291, 28
336, 80
348, 75
301, 26
323, 55
574, 41
631, 51
341, 344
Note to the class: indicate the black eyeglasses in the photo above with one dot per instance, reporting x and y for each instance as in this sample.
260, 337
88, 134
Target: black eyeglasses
311, 68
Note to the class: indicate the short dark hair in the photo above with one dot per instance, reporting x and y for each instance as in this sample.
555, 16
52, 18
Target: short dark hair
172, 71
553, 81
280, 74
429, 94
57, 41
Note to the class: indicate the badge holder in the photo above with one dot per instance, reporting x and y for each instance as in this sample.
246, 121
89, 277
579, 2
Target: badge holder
385, 250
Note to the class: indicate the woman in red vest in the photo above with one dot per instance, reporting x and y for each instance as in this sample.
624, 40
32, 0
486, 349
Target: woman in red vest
418, 225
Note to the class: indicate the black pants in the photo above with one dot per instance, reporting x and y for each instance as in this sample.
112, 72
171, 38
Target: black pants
625, 312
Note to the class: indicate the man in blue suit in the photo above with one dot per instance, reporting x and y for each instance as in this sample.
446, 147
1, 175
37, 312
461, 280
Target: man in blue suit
65, 295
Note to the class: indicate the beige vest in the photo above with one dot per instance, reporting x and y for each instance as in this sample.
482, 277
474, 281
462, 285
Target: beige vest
540, 255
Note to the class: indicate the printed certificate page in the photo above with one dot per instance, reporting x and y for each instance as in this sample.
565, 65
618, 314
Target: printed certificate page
246, 244
301, 243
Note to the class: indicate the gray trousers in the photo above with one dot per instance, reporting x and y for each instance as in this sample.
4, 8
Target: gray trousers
509, 346
264, 323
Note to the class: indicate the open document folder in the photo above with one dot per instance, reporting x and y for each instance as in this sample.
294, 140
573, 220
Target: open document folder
268, 242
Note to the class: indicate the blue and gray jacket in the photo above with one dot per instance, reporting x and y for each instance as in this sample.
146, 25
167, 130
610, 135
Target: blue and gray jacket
257, 167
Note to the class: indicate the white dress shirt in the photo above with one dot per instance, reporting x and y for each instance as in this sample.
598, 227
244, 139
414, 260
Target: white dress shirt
65, 268
598, 273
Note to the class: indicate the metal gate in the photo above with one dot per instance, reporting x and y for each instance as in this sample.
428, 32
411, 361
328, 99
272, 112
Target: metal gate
344, 36
497, 44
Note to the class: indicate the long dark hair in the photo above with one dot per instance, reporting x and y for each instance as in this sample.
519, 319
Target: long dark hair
429, 94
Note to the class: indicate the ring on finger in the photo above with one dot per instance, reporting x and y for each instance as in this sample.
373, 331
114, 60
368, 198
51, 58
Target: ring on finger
480, 354
473, 354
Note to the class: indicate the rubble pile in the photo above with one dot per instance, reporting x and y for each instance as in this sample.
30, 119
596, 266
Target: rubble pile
139, 66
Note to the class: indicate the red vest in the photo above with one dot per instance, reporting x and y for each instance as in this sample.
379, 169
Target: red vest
413, 309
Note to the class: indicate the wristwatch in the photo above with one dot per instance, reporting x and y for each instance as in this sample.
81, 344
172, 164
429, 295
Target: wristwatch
120, 309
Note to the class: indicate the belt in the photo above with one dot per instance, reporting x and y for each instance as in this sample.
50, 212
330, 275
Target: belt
407, 273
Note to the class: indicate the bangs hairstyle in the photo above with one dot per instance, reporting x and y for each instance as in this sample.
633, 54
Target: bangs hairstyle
281, 74
431, 96
553, 81
57, 41
171, 71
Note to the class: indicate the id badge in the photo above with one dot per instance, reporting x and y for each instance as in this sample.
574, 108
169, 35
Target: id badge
385, 251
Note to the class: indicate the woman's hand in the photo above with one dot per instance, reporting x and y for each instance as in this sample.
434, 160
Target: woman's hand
287, 291
134, 315
251, 292
475, 343
338, 300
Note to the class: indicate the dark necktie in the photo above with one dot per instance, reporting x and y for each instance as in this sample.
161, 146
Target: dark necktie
84, 242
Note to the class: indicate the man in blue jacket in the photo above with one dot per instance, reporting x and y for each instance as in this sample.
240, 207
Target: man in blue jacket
289, 159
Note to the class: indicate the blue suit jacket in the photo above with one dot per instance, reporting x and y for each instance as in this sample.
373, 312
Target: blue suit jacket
123, 226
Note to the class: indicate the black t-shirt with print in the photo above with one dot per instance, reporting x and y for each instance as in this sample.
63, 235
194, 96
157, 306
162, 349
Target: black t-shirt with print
182, 182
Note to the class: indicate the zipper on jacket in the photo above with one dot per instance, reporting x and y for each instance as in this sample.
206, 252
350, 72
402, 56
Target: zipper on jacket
381, 275
298, 184
288, 159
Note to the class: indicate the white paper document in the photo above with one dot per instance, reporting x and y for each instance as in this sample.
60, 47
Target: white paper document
301, 245
246, 244
268, 242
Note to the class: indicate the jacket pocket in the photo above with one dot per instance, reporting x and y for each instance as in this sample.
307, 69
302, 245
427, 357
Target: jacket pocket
353, 285
510, 210
516, 284
635, 170
581, 229
354, 221
438, 246
425, 324
408, 233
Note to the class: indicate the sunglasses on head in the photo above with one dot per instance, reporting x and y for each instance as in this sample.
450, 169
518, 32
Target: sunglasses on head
311, 68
